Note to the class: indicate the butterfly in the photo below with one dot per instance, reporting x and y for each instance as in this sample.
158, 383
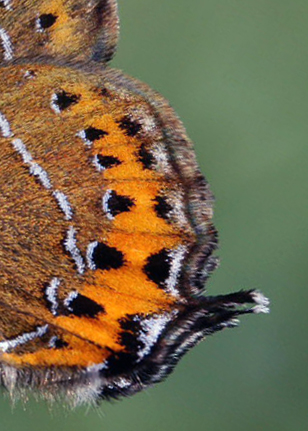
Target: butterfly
107, 238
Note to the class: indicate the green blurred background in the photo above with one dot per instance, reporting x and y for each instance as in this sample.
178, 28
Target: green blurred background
236, 72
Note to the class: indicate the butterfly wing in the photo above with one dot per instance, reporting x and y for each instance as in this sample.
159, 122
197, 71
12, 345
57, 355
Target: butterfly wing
106, 221
60, 29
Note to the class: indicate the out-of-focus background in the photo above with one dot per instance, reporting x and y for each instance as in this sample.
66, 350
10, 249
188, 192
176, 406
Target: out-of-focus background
236, 73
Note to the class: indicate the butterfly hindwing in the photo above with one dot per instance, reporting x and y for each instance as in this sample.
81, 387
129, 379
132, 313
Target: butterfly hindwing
105, 218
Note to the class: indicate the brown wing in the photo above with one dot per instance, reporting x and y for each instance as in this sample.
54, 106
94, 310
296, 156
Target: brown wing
105, 219
86, 208
106, 236
75, 30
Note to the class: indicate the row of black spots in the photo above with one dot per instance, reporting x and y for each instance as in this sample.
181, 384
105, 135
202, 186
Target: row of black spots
129, 126
115, 204
45, 21
62, 100
102, 256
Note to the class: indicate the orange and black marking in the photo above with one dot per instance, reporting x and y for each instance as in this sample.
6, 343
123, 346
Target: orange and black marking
106, 231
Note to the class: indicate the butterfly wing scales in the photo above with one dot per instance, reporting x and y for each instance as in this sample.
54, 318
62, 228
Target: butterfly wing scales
61, 29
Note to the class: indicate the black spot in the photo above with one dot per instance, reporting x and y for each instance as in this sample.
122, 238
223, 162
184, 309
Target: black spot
60, 344
47, 20
119, 363
82, 306
145, 157
129, 336
157, 267
130, 342
118, 204
162, 207
105, 93
92, 134
131, 127
64, 100
107, 161
105, 257
131, 323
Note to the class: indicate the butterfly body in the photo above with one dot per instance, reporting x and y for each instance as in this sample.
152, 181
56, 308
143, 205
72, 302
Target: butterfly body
106, 231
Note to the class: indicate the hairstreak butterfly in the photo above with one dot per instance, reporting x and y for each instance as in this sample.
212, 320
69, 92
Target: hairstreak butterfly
106, 231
